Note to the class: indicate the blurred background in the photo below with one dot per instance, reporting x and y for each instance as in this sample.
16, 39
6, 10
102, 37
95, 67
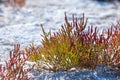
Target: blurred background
21, 24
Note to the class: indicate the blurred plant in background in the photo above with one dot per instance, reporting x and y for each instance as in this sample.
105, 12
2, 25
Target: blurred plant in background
13, 70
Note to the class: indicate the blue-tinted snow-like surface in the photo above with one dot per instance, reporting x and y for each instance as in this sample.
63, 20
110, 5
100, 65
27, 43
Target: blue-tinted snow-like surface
101, 73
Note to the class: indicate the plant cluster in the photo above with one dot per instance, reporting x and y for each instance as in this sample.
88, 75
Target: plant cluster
72, 46
13, 70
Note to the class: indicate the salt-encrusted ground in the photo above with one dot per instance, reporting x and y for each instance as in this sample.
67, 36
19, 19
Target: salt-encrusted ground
23, 26
101, 73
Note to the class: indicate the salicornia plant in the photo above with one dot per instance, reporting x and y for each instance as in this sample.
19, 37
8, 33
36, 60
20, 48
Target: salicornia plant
72, 46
